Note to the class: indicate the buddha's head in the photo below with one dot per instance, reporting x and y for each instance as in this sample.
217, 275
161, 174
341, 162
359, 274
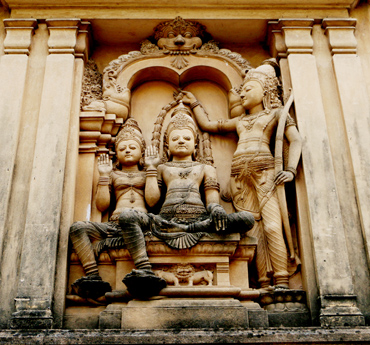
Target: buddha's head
181, 136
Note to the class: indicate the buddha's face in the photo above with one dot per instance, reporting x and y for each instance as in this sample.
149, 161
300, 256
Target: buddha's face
128, 152
181, 143
252, 94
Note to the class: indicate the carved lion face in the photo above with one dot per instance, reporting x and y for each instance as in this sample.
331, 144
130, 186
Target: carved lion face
176, 41
184, 271
179, 35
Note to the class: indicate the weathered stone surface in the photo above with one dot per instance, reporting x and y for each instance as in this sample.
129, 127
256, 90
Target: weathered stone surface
184, 313
309, 335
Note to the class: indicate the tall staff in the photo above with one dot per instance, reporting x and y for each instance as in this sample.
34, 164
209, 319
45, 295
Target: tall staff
280, 190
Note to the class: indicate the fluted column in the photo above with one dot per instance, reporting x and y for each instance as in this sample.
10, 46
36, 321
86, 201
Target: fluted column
336, 291
38, 260
278, 50
355, 105
13, 73
81, 54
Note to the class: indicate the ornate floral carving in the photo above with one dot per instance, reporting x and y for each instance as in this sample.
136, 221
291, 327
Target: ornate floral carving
91, 84
237, 58
148, 48
210, 47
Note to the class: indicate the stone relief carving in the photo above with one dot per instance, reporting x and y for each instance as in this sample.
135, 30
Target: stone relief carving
185, 274
127, 182
185, 173
254, 175
183, 218
91, 85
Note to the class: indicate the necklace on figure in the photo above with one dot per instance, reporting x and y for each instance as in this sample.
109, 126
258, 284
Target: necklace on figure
248, 121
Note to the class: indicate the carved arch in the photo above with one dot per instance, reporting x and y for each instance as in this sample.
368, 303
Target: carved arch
214, 67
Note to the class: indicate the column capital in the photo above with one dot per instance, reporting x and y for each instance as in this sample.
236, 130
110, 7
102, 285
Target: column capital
297, 35
276, 40
84, 39
18, 35
341, 35
63, 35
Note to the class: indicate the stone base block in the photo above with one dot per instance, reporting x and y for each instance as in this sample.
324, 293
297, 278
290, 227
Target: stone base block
82, 317
289, 319
32, 319
341, 316
111, 317
339, 311
257, 316
184, 313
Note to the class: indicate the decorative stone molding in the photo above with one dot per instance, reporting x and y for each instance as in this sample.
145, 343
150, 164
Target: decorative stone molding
96, 131
276, 40
18, 35
297, 35
63, 35
341, 35
90, 130
206, 246
82, 49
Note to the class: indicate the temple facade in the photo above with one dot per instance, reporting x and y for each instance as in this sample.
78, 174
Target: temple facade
71, 75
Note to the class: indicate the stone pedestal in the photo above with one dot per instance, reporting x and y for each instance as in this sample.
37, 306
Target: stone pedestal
184, 313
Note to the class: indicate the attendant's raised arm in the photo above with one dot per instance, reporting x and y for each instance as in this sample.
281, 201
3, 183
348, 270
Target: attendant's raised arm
205, 124
103, 193
152, 190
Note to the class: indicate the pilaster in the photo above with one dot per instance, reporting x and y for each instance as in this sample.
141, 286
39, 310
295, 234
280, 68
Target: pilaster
355, 105
37, 270
82, 52
336, 291
13, 73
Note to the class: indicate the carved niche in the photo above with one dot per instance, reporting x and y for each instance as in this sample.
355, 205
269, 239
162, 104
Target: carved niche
141, 84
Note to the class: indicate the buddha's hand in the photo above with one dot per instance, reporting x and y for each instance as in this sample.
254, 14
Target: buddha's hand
218, 216
105, 166
187, 97
152, 159
283, 177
